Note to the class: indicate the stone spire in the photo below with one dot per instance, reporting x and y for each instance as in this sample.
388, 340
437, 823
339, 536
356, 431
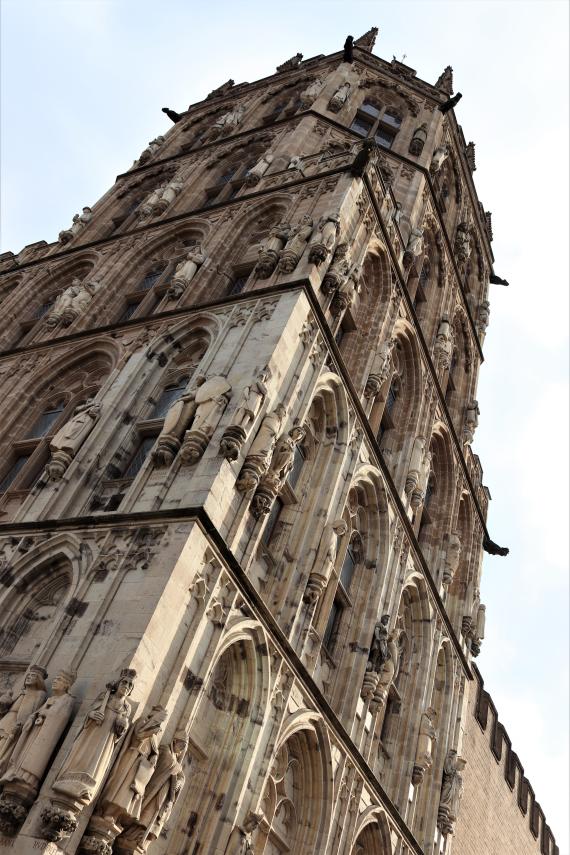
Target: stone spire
368, 40
445, 81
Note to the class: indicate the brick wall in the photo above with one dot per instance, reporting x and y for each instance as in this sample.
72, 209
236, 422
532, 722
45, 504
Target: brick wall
499, 813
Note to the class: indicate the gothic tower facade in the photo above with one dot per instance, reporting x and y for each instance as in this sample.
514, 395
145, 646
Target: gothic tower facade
242, 525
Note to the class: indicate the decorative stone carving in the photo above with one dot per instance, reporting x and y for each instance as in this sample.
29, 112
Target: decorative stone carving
87, 763
338, 270
424, 751
324, 238
445, 81
462, 244
29, 699
383, 661
160, 796
483, 315
221, 90
418, 473
69, 439
227, 122
347, 291
281, 464
438, 158
149, 206
478, 631
324, 561
418, 140
244, 415
270, 250
379, 648
471, 422
381, 368
169, 193
368, 40
452, 558
261, 450
339, 98
470, 156
211, 399
79, 223
175, 423
254, 175
241, 838
414, 247
311, 93
32, 753
290, 64
296, 244
296, 162
71, 303
451, 792
443, 347
185, 272
150, 150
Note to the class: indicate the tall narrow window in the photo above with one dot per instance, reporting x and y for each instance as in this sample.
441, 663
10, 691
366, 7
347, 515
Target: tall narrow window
47, 419
348, 568
136, 462
150, 279
14, 469
333, 624
169, 395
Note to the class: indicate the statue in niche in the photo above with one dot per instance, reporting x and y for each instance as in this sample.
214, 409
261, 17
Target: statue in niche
106, 722
150, 150
241, 838
347, 291
32, 696
471, 422
261, 450
272, 482
418, 473
186, 271
296, 244
325, 560
339, 98
452, 558
414, 247
451, 792
69, 439
418, 140
159, 798
148, 207
72, 302
211, 399
227, 122
438, 158
177, 418
379, 653
338, 270
324, 238
380, 369
270, 250
311, 93
424, 751
122, 796
249, 406
443, 347
462, 244
256, 173
79, 223
478, 629
383, 662
170, 192
483, 315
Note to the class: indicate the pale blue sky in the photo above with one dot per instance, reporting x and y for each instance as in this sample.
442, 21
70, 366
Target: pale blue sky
82, 85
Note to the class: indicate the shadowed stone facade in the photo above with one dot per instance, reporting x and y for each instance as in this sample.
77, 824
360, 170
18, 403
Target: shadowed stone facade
242, 525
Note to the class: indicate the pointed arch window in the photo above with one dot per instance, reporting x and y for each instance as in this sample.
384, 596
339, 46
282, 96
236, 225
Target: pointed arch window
47, 419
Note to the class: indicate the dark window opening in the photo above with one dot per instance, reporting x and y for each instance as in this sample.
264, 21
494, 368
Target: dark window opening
348, 568
136, 462
168, 396
299, 458
47, 419
272, 519
13, 471
333, 625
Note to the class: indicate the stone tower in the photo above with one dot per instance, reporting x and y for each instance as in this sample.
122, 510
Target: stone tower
241, 524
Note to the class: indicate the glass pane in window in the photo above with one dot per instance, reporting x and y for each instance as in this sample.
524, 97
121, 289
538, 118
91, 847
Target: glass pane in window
361, 125
129, 311
424, 275
370, 109
348, 567
168, 397
47, 418
149, 280
384, 138
44, 308
238, 284
392, 119
391, 399
332, 624
228, 175
429, 493
16, 466
298, 460
139, 457
339, 335
272, 518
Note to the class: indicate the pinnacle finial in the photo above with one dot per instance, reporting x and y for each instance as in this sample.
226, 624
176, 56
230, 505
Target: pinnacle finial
445, 81
368, 40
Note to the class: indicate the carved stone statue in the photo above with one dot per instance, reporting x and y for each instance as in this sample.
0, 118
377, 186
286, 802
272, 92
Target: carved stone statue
175, 423
241, 838
347, 290
311, 93
324, 238
273, 480
159, 798
290, 64
227, 122
221, 90
296, 162
418, 473
426, 738
69, 439
296, 244
414, 247
380, 369
451, 792
254, 175
249, 406
29, 699
471, 422
379, 653
32, 753
325, 560
383, 662
338, 270
478, 631
462, 244
339, 98
443, 347
261, 450
211, 399
71, 303
418, 140
169, 193
150, 150
438, 158
483, 315
149, 206
79, 223
270, 250
106, 722
186, 271
452, 558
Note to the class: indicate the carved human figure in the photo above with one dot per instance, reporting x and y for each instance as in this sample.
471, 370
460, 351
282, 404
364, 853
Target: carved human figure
478, 628
176, 420
379, 653
270, 249
339, 98
186, 270
296, 162
452, 558
84, 293
443, 347
148, 207
483, 315
338, 270
311, 93
439, 156
90, 755
284, 455
462, 244
79, 222
254, 175
26, 702
252, 398
325, 560
122, 796
296, 244
151, 149
69, 438
211, 399
324, 237
241, 838
380, 368
170, 192
451, 792
426, 738
261, 449
40, 735
347, 290
227, 122
471, 422
159, 797
414, 472
418, 140
63, 303
414, 246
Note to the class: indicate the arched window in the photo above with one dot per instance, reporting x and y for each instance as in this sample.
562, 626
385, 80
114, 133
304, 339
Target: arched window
380, 123
150, 289
47, 419
387, 421
169, 395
